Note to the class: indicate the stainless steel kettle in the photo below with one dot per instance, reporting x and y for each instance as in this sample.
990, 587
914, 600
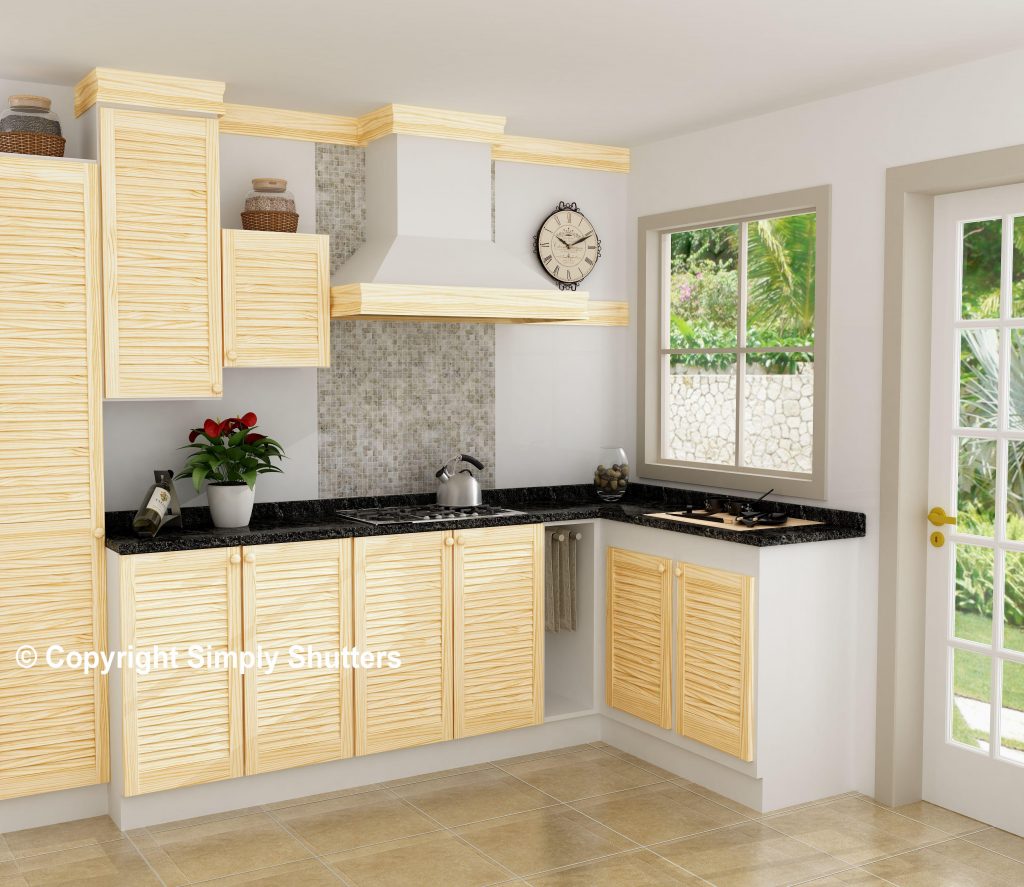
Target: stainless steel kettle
457, 486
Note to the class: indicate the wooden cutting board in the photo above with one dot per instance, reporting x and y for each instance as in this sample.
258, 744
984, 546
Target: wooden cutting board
730, 522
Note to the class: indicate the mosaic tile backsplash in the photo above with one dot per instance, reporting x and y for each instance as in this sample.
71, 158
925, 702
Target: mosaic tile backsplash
399, 398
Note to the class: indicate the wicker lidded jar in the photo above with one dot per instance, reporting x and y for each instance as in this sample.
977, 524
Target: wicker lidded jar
270, 206
29, 126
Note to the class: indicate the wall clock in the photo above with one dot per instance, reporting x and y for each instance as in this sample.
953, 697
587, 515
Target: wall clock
567, 246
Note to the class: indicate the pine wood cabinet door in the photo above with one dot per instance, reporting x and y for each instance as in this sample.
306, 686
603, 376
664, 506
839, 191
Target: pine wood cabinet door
403, 597
53, 722
714, 639
277, 300
638, 617
297, 597
161, 254
499, 629
182, 726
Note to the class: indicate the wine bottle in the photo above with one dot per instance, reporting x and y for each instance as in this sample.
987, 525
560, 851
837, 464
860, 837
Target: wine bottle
150, 516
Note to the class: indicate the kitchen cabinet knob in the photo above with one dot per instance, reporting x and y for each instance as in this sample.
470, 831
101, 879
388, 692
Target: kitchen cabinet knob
250, 558
98, 532
661, 568
459, 540
679, 572
449, 541
236, 558
232, 355
217, 388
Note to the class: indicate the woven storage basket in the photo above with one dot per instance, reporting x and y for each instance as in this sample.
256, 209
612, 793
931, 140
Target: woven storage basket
42, 143
270, 221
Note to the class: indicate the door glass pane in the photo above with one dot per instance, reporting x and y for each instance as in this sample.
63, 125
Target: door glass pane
982, 248
1016, 381
972, 695
778, 411
704, 282
699, 411
1011, 720
976, 481
979, 378
974, 588
1015, 490
1013, 602
781, 256
1017, 305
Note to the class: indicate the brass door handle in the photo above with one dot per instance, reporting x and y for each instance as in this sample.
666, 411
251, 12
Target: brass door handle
939, 518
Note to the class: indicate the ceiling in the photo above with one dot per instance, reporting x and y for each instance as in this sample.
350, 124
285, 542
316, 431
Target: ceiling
610, 71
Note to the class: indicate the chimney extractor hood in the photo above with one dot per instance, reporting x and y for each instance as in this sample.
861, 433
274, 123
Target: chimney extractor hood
428, 251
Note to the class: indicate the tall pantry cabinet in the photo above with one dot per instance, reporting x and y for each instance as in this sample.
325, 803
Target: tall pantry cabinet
53, 722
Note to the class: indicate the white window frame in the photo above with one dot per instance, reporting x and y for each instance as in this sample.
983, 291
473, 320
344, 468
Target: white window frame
654, 236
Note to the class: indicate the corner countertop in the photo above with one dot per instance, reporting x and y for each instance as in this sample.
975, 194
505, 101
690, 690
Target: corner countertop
307, 520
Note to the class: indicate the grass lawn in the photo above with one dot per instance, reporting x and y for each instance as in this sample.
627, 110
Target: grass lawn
971, 674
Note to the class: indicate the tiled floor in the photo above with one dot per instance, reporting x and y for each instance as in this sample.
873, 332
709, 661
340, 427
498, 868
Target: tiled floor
576, 817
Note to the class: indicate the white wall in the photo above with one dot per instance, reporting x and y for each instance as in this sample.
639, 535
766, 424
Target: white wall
562, 392
848, 142
244, 158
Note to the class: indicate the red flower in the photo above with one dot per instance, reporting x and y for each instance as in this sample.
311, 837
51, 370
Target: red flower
249, 420
252, 438
225, 427
212, 429
193, 434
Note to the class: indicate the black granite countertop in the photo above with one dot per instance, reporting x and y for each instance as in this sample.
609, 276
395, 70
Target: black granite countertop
311, 519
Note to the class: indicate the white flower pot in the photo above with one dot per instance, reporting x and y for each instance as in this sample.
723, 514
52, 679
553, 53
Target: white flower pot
230, 504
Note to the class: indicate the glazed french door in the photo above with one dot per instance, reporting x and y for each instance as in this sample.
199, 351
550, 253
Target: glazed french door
974, 648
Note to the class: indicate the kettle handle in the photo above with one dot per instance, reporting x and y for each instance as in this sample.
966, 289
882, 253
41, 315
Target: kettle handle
462, 457
476, 463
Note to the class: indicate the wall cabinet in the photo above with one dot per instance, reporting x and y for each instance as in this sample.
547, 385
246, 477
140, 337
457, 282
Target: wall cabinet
181, 725
638, 618
403, 600
297, 595
161, 263
53, 723
714, 640
499, 629
277, 300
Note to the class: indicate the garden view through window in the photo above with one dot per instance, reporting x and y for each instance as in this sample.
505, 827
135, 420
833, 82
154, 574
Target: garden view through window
738, 345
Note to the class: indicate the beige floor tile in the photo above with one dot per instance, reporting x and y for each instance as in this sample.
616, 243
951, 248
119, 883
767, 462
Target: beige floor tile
955, 863
159, 861
10, 876
305, 873
858, 877
470, 797
325, 796
347, 823
225, 847
111, 864
1000, 841
202, 820
805, 805
435, 860
938, 817
63, 836
854, 830
705, 792
641, 763
639, 869
581, 774
439, 774
5, 853
538, 755
749, 855
658, 812
544, 839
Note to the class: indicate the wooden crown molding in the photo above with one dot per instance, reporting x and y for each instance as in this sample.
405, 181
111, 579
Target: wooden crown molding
414, 121
524, 149
602, 314
249, 120
148, 91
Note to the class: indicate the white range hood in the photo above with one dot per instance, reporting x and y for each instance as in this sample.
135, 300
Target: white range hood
428, 250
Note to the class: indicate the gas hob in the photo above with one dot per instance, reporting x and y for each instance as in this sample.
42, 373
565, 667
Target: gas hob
421, 514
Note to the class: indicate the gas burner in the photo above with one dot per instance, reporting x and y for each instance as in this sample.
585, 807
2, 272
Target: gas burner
419, 514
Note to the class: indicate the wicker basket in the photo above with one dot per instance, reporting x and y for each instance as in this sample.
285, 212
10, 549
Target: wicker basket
42, 143
270, 221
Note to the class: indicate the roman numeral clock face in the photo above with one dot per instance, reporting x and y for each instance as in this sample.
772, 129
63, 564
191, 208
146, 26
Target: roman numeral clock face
568, 246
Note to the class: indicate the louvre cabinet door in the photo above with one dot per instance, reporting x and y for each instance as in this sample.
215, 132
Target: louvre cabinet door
183, 725
298, 596
161, 255
638, 619
403, 593
499, 629
53, 722
277, 301
715, 639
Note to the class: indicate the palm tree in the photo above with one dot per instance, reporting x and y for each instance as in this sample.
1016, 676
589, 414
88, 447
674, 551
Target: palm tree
781, 256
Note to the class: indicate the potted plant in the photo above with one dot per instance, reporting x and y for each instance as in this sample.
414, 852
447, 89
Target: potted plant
231, 458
